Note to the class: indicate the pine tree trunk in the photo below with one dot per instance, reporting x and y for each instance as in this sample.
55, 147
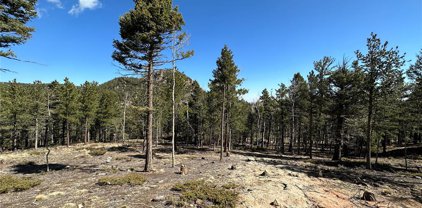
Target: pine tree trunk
67, 134
124, 119
157, 132
378, 148
86, 131
384, 145
311, 129
263, 135
222, 123
282, 138
299, 135
292, 137
173, 118
269, 132
259, 128
405, 154
14, 132
173, 121
148, 158
339, 139
63, 139
36, 133
369, 130
46, 143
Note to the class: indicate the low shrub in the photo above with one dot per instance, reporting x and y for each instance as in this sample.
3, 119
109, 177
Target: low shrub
199, 191
97, 151
9, 183
129, 179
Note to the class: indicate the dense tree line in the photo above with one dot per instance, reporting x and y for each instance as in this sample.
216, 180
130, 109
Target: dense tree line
327, 111
354, 107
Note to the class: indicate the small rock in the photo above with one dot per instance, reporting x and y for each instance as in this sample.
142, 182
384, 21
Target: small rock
102, 174
203, 158
250, 159
80, 206
368, 196
161, 171
418, 177
249, 190
70, 205
199, 201
233, 167
158, 199
275, 203
265, 173
41, 197
108, 160
161, 181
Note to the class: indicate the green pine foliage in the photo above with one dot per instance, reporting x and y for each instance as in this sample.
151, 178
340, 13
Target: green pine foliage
15, 15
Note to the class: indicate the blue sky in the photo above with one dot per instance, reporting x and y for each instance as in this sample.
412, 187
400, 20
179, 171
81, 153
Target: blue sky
270, 39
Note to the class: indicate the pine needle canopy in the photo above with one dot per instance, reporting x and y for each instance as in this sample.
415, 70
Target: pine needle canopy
146, 31
14, 14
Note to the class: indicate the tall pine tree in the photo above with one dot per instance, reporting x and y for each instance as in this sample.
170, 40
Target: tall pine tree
145, 33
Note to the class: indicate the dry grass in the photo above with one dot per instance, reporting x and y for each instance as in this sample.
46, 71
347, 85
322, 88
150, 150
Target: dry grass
10, 183
206, 194
97, 151
129, 179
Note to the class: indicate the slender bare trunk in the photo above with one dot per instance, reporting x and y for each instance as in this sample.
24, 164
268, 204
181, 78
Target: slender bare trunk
369, 130
292, 137
222, 123
263, 135
124, 119
67, 134
173, 118
148, 158
405, 154
157, 136
36, 133
46, 134
86, 131
311, 131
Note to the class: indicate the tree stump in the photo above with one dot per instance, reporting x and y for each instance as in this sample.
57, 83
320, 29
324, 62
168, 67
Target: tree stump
368, 196
183, 170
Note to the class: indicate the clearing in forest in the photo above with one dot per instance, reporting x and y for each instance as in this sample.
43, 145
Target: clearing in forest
80, 178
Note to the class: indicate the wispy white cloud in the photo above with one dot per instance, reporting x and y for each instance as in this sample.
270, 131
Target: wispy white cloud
83, 5
57, 3
41, 12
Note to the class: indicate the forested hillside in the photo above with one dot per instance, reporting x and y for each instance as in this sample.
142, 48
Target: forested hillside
327, 110
347, 133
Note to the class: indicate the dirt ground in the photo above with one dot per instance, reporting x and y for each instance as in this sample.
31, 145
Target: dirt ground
292, 181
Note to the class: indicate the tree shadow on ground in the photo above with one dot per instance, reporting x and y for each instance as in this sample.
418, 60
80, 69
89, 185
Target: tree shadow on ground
361, 164
121, 149
181, 150
271, 155
138, 156
349, 171
32, 167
